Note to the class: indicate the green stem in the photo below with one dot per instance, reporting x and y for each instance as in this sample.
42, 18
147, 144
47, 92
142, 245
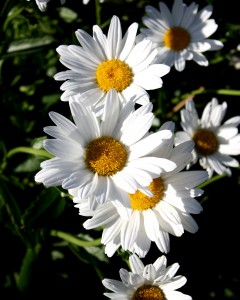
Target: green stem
28, 268
29, 150
74, 240
228, 92
98, 12
202, 90
211, 180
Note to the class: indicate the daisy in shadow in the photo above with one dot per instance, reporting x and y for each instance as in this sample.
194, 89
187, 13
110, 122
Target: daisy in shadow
153, 281
215, 142
181, 34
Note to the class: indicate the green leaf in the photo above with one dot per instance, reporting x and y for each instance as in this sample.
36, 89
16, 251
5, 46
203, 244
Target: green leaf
29, 150
97, 252
67, 14
29, 43
48, 206
8, 203
26, 273
29, 165
14, 12
49, 100
83, 255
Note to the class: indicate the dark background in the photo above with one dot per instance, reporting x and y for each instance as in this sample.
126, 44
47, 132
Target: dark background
33, 263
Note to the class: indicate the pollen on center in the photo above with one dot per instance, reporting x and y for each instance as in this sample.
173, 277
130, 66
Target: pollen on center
140, 201
148, 292
114, 74
206, 142
176, 38
105, 156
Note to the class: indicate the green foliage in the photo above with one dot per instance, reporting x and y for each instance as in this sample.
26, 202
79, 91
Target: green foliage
44, 246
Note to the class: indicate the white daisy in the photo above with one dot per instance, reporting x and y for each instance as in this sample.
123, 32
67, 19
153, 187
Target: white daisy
150, 218
86, 1
153, 281
181, 34
42, 4
214, 142
102, 157
109, 62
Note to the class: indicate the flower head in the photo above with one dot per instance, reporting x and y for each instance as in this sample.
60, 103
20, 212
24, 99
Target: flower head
103, 63
214, 142
181, 34
101, 158
137, 219
42, 4
153, 281
86, 1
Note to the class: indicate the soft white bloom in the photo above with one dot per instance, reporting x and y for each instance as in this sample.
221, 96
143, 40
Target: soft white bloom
109, 62
181, 34
235, 58
153, 281
86, 1
42, 4
137, 219
102, 158
214, 142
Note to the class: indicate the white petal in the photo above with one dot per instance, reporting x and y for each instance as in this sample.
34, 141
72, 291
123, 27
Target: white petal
176, 295
129, 233
136, 264
149, 272
142, 123
67, 150
151, 224
114, 285
128, 41
149, 144
103, 215
85, 120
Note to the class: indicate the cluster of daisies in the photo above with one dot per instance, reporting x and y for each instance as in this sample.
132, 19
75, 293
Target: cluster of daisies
134, 183
42, 4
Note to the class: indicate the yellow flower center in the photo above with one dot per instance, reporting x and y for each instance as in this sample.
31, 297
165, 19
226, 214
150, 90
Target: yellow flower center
105, 156
140, 201
206, 142
148, 292
176, 38
114, 74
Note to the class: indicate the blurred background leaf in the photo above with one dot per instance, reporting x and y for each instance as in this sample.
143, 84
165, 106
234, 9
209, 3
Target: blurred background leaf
35, 258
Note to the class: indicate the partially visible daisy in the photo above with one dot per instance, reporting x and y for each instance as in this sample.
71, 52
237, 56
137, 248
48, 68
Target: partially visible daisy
181, 34
153, 281
103, 63
214, 142
42, 4
234, 59
86, 1
101, 158
151, 218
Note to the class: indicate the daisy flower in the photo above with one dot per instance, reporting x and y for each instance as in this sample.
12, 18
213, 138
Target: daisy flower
42, 4
86, 1
103, 63
137, 219
181, 34
153, 281
214, 142
102, 157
